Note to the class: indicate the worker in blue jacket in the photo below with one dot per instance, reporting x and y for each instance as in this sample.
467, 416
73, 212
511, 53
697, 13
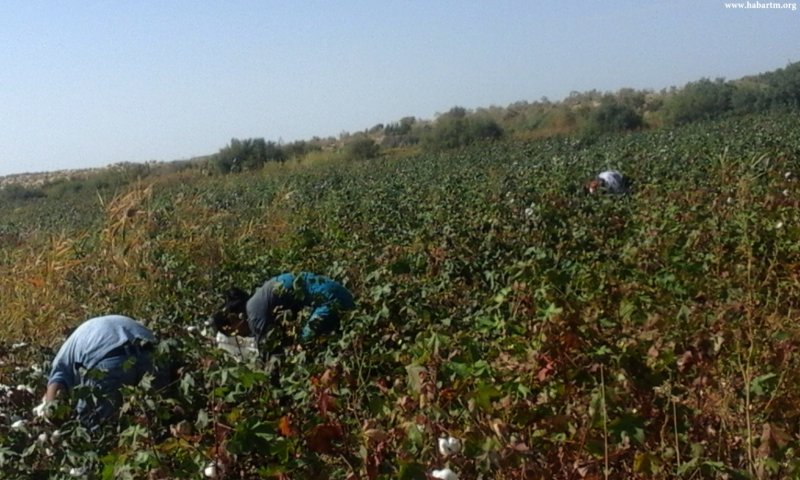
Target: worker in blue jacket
103, 353
256, 314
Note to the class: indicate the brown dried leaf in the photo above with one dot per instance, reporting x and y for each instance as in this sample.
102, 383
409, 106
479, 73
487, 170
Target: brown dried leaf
285, 426
376, 435
322, 438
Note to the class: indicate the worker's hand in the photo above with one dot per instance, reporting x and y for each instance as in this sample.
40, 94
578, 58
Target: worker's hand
44, 409
54, 390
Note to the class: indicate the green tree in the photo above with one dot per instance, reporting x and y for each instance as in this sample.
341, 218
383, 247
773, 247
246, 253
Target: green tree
362, 148
701, 100
612, 116
456, 128
247, 154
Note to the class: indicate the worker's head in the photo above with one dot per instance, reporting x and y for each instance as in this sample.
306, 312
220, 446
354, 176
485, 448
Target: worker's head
232, 318
594, 186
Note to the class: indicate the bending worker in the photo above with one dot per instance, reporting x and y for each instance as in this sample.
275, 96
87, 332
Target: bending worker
255, 315
103, 353
609, 181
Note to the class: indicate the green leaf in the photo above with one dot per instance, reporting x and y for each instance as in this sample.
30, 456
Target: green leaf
552, 310
630, 425
415, 436
759, 385
646, 463
411, 471
484, 395
626, 309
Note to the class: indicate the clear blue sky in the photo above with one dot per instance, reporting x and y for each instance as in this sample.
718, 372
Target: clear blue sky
89, 83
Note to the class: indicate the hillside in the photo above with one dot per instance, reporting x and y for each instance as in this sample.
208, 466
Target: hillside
586, 114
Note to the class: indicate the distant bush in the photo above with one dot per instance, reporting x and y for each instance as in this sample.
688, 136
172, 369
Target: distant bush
404, 133
247, 154
16, 192
299, 149
701, 100
361, 149
403, 127
783, 86
456, 129
612, 116
111, 178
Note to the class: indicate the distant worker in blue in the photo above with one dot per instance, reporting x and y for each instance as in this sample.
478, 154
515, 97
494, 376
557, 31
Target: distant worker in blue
254, 315
103, 353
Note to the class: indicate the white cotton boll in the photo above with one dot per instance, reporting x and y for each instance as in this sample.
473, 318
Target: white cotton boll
223, 339
25, 388
55, 436
77, 472
787, 175
191, 328
443, 447
445, 474
779, 225
18, 425
42, 437
210, 471
449, 446
43, 409
785, 192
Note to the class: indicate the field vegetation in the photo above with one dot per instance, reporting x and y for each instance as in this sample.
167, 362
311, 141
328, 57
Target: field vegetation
557, 335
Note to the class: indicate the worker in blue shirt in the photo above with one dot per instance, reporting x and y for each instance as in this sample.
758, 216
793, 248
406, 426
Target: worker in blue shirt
256, 314
103, 353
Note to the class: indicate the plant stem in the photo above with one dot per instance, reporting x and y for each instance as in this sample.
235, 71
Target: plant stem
675, 427
605, 422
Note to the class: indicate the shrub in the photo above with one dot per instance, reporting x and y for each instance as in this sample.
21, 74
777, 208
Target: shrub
457, 129
612, 116
701, 100
16, 192
362, 148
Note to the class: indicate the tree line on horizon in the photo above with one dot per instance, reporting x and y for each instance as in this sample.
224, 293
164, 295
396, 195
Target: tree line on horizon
587, 114
584, 114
